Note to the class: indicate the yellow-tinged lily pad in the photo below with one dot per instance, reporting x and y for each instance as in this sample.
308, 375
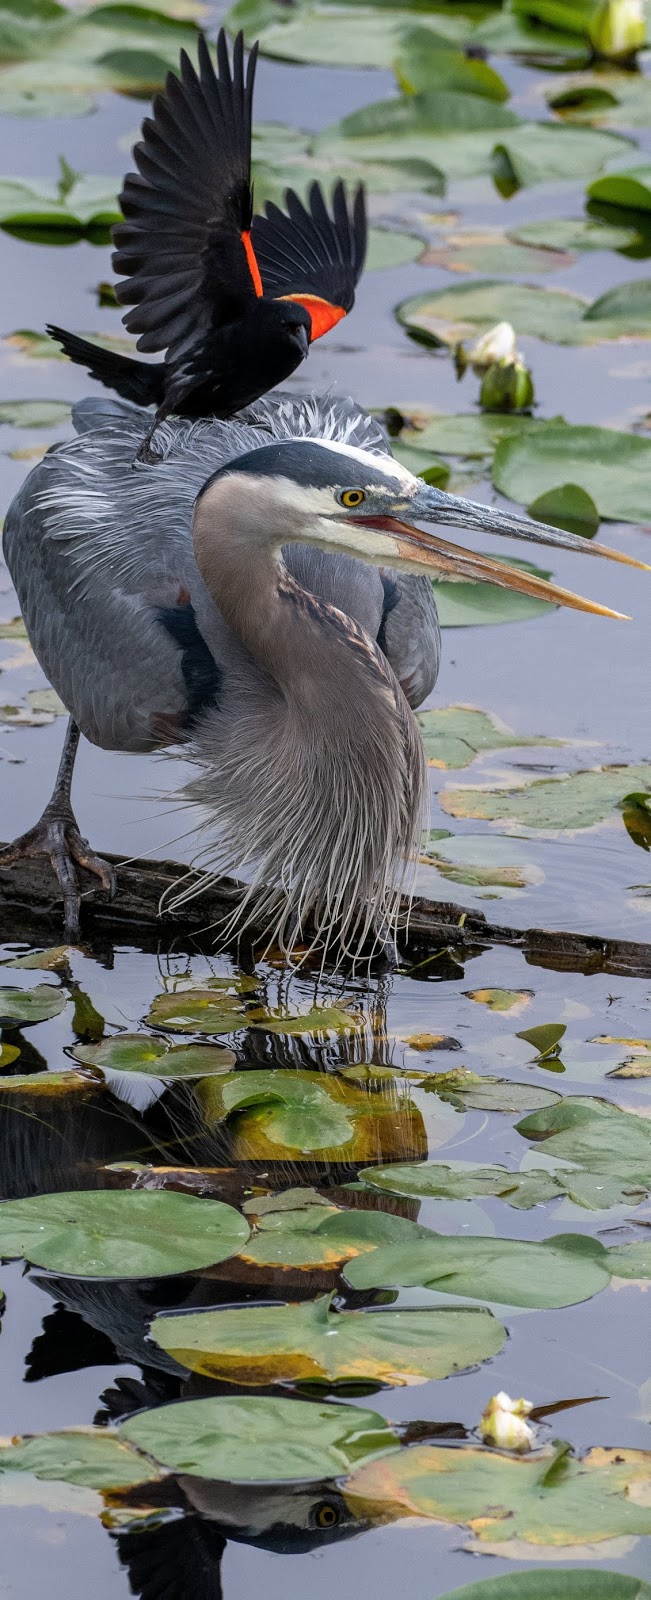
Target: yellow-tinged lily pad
316, 1235
513, 1000
93, 1457
20, 1007
578, 800
198, 1011
277, 1115
545, 1499
51, 960
44, 1084
145, 1053
310, 1341
454, 735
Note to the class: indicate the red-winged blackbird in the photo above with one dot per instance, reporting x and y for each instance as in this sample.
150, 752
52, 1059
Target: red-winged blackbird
233, 299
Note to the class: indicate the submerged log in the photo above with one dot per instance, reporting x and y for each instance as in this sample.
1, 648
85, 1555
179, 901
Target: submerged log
29, 899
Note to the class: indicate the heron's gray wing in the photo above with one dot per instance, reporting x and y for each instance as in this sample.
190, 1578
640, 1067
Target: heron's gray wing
409, 633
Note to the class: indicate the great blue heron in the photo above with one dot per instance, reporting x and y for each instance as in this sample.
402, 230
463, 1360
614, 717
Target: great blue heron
234, 299
271, 630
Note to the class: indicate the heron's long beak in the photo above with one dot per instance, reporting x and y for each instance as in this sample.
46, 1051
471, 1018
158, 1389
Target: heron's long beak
413, 548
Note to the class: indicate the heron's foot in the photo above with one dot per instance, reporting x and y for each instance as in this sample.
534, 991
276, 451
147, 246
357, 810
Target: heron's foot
57, 836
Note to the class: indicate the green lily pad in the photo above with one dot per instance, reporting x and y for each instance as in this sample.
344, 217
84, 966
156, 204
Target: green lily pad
280, 1114
513, 1000
319, 1020
24, 342
283, 155
120, 1234
563, 1583
472, 605
387, 249
604, 99
454, 735
501, 1497
490, 250
20, 1007
558, 1272
480, 1092
426, 61
468, 435
311, 1341
48, 1084
509, 32
318, 1236
87, 203
595, 1135
362, 36
630, 188
89, 1456
8, 1053
14, 629
54, 959
568, 507
574, 233
578, 800
255, 1440
458, 1181
447, 316
545, 1038
34, 413
144, 1053
198, 1011
58, 64
631, 1260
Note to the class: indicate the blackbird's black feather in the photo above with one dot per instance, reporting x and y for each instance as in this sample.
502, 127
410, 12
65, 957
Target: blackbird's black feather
219, 290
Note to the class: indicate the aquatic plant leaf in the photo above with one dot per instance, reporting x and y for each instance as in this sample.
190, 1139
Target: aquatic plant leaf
603, 99
320, 1019
279, 1114
457, 1181
256, 1439
488, 250
313, 1236
557, 1272
34, 413
38, 204
630, 188
481, 1092
578, 800
145, 1053
40, 347
468, 434
388, 248
630, 301
425, 62
502, 1497
46, 1084
292, 1343
471, 605
361, 36
14, 629
92, 1457
20, 1007
575, 233
120, 1234
563, 1583
446, 316
51, 960
568, 506
631, 1260
8, 1053
596, 1135
454, 735
545, 1037
87, 1022
197, 1011
514, 1000
58, 67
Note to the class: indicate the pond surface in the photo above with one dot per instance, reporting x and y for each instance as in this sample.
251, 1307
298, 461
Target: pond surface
76, 1348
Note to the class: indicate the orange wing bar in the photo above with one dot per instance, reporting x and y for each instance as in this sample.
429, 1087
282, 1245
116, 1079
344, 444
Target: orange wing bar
252, 264
324, 315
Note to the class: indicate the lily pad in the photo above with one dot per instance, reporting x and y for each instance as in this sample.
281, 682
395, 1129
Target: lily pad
545, 1038
575, 233
20, 1007
472, 605
630, 187
282, 1114
443, 317
54, 959
89, 1456
144, 1053
25, 342
8, 1053
468, 434
320, 1020
255, 1440
480, 1092
569, 507
48, 1084
85, 203
603, 99
454, 735
198, 1011
558, 1272
502, 1497
34, 413
120, 1234
362, 36
458, 1181
563, 1583
311, 1341
578, 800
513, 1000
596, 1136
427, 62
489, 250
631, 1260
59, 63
387, 249
316, 1236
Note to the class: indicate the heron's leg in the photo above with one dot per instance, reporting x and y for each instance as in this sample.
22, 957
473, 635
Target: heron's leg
56, 835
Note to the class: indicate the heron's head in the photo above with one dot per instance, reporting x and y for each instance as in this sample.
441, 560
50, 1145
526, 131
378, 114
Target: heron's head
346, 500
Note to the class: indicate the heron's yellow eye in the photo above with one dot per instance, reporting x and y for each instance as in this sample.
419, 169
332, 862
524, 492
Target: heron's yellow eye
327, 1516
352, 497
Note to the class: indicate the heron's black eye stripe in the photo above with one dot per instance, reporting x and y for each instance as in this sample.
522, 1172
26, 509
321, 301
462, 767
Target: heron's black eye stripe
351, 498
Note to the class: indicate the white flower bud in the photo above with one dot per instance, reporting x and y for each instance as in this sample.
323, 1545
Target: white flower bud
502, 1423
496, 345
618, 29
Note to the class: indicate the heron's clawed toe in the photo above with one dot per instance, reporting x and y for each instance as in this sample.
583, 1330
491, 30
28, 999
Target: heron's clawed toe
57, 836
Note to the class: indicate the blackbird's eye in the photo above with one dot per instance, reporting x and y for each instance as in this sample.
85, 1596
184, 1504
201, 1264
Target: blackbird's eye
351, 498
326, 1515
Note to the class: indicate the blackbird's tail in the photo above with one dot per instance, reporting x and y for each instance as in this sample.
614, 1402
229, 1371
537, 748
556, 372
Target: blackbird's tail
142, 382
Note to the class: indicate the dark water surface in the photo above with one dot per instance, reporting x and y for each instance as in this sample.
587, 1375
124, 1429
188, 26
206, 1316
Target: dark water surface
66, 1344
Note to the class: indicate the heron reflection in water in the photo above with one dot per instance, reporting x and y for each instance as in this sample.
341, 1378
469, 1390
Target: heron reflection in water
261, 597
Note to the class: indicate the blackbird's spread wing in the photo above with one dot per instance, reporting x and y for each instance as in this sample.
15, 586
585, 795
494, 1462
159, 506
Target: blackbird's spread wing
312, 256
185, 244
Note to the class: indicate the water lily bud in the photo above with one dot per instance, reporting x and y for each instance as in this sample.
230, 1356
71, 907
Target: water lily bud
618, 29
496, 345
507, 386
502, 1423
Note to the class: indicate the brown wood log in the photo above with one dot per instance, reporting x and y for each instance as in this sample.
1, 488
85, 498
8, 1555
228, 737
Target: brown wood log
30, 904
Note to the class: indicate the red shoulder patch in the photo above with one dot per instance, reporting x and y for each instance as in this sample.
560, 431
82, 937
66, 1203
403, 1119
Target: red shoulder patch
324, 315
